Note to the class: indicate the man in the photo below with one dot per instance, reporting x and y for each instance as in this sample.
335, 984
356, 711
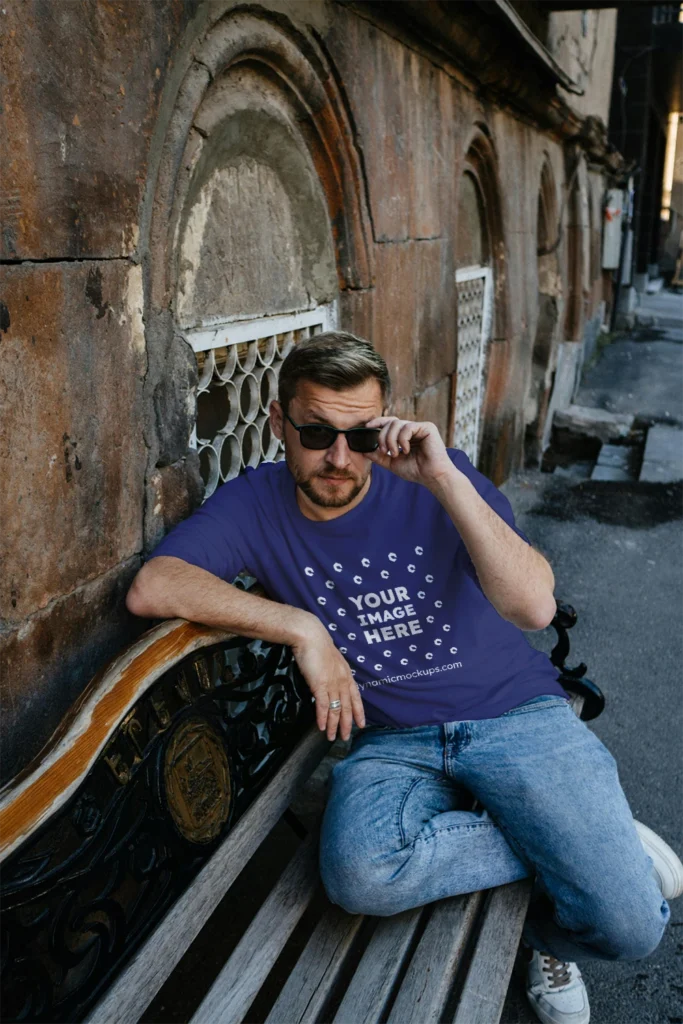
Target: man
403, 585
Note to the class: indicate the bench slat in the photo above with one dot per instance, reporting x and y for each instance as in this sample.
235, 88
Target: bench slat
241, 977
429, 978
370, 988
135, 986
483, 995
317, 970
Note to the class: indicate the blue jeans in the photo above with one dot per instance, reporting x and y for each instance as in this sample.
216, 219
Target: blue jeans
398, 829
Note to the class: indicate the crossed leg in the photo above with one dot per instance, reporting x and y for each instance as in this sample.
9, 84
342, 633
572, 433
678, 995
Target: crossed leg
397, 832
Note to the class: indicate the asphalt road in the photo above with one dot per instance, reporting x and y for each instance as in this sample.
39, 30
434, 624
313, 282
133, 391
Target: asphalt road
617, 556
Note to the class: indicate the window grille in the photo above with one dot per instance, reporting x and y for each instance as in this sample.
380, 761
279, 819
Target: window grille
239, 364
474, 286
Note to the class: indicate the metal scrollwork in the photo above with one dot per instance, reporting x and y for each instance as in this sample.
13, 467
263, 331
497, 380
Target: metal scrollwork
81, 894
197, 781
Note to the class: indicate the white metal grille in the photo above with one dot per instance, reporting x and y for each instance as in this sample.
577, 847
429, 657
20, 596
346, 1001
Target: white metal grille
474, 288
238, 365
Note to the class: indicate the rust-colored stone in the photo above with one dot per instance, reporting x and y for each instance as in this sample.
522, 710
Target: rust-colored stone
46, 662
433, 404
403, 115
173, 493
71, 430
415, 326
75, 146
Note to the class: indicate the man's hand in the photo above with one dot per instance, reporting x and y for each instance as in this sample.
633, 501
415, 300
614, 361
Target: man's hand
329, 678
414, 451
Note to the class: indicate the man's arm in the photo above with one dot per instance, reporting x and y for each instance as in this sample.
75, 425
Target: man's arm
167, 587
517, 579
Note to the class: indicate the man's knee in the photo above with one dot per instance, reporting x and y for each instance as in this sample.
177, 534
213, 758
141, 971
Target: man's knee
633, 936
357, 885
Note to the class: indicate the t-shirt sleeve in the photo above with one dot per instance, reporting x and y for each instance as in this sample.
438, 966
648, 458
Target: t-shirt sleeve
488, 490
213, 537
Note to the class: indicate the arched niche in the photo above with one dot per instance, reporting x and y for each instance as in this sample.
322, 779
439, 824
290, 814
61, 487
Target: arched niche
473, 245
286, 77
481, 286
255, 209
253, 231
549, 311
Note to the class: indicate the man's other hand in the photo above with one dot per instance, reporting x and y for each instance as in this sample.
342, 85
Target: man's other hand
329, 678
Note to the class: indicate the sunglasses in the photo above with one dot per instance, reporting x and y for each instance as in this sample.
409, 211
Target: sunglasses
318, 436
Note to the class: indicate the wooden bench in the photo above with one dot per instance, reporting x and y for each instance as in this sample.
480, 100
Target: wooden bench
120, 840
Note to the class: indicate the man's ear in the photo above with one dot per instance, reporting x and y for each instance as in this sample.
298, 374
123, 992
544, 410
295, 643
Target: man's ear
276, 419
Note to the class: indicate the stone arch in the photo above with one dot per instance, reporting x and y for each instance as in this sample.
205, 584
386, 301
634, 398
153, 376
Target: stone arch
479, 176
577, 247
256, 113
481, 162
549, 310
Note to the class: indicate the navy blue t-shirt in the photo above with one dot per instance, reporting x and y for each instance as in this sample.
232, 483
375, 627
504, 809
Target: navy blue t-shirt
393, 582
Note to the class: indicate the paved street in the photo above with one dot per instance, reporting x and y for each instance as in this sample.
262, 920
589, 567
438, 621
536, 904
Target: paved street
616, 552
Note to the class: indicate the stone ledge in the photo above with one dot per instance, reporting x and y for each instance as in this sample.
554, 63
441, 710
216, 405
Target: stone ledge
598, 423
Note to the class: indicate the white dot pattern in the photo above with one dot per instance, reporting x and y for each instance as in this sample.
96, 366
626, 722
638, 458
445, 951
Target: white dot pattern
375, 616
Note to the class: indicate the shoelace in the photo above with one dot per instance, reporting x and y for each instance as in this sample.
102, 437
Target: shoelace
557, 970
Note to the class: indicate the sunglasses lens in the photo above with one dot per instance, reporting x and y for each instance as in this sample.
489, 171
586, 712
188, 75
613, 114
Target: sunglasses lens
363, 440
317, 437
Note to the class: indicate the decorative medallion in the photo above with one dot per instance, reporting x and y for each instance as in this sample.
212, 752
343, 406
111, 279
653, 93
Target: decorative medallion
197, 781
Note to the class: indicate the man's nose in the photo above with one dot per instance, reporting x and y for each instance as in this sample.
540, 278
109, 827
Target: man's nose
338, 454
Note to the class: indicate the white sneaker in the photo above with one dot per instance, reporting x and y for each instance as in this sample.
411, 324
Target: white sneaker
667, 865
556, 990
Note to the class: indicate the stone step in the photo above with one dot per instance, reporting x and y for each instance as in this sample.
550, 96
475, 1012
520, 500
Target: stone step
610, 473
616, 455
614, 463
663, 458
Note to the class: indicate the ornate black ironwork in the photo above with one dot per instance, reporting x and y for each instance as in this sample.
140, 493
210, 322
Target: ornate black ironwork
573, 679
82, 893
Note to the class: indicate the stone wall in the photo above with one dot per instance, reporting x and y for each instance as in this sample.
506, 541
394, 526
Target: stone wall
108, 110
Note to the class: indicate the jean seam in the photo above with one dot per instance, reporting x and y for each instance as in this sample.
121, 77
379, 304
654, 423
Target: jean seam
560, 702
450, 828
407, 793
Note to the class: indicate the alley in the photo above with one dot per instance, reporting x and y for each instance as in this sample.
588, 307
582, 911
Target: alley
615, 550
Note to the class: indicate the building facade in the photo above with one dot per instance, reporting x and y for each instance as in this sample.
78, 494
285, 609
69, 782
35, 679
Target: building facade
188, 188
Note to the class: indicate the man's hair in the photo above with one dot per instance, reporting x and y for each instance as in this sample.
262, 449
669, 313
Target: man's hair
334, 360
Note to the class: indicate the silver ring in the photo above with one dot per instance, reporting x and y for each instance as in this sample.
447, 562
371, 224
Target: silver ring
312, 700
334, 704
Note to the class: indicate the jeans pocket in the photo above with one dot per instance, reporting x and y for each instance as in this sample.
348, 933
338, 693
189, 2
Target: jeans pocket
545, 700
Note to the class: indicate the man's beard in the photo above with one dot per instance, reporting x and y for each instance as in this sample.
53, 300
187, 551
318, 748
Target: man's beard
329, 499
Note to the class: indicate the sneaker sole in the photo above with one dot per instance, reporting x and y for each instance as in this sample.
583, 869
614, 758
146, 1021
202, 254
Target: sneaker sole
564, 1018
667, 864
